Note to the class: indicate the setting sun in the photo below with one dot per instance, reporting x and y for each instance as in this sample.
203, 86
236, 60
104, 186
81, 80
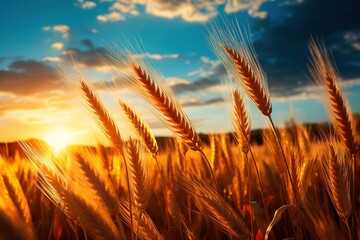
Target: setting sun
58, 139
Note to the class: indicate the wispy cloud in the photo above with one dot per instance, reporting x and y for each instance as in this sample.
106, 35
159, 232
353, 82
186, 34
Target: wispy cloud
52, 59
159, 56
63, 29
87, 4
190, 11
57, 45
110, 17
27, 77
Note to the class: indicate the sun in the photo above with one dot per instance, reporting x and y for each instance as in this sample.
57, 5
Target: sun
58, 139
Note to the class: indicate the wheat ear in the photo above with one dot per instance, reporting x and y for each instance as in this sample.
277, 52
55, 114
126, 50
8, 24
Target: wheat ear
336, 179
147, 230
251, 81
142, 128
106, 122
138, 175
18, 197
175, 118
215, 209
324, 73
100, 184
93, 218
241, 122
109, 127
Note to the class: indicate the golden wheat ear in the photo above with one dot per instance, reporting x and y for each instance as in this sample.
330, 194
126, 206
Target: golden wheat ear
138, 174
105, 121
241, 121
215, 208
251, 81
142, 128
336, 172
324, 72
172, 114
233, 47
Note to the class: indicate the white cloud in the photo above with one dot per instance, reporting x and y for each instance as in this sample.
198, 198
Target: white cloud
57, 46
63, 29
171, 81
110, 17
190, 11
233, 6
88, 5
353, 38
46, 28
52, 59
159, 56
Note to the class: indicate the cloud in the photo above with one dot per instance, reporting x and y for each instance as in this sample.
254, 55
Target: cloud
281, 43
159, 56
87, 43
201, 84
209, 76
87, 4
27, 77
52, 59
46, 28
252, 7
57, 45
63, 29
200, 11
110, 17
199, 103
93, 56
90, 58
10, 103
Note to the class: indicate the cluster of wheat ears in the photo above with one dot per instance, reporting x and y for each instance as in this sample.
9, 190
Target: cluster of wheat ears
293, 186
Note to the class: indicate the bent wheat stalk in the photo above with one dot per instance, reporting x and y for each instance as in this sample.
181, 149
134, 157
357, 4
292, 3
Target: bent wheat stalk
337, 182
241, 122
241, 62
173, 115
324, 72
109, 127
142, 128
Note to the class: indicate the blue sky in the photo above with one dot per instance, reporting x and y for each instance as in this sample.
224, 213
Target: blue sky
36, 34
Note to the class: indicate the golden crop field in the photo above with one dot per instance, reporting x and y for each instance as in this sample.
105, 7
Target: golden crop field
295, 185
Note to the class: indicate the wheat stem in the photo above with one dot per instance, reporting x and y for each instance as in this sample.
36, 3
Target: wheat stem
284, 158
207, 163
249, 195
261, 186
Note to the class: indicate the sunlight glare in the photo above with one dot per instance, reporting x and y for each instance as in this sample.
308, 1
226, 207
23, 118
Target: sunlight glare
58, 139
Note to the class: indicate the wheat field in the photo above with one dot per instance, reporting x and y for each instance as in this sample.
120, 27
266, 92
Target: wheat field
299, 183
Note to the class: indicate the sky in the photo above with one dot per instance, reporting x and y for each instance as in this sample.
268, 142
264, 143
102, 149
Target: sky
37, 34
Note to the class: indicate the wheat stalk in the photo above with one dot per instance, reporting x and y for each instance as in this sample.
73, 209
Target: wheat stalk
241, 122
215, 209
109, 127
100, 184
138, 175
175, 118
147, 229
18, 197
251, 80
337, 181
106, 122
324, 73
142, 128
